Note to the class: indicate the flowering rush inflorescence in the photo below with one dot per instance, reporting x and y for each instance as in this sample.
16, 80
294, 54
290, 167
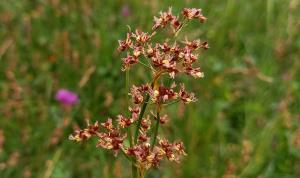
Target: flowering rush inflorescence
170, 58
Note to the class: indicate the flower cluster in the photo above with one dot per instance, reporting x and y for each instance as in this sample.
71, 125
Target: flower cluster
193, 13
110, 138
85, 134
161, 94
148, 157
171, 58
164, 19
144, 148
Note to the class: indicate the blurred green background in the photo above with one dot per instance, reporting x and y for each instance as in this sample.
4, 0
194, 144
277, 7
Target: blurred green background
245, 124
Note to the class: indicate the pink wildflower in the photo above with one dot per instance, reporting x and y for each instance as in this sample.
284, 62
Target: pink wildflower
66, 97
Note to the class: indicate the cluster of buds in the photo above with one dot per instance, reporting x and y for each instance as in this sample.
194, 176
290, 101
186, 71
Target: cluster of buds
144, 148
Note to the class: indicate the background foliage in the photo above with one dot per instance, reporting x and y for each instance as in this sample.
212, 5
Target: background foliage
245, 124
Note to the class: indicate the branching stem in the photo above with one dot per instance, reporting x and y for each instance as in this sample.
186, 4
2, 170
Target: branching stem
144, 106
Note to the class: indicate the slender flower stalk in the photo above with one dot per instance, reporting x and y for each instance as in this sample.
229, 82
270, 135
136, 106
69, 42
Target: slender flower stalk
139, 122
166, 59
129, 131
156, 128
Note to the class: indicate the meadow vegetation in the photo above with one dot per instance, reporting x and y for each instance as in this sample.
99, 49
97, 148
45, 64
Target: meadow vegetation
246, 122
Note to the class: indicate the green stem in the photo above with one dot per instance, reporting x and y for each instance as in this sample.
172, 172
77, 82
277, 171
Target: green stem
170, 103
133, 170
141, 174
137, 129
156, 129
129, 132
140, 118
145, 65
178, 30
52, 164
127, 87
126, 156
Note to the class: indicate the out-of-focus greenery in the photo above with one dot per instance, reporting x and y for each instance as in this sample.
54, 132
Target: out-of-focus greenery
245, 124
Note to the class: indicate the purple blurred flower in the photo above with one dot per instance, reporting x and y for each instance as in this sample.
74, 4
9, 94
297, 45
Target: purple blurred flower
125, 11
66, 97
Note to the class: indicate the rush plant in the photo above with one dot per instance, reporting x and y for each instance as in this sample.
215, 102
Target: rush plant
135, 133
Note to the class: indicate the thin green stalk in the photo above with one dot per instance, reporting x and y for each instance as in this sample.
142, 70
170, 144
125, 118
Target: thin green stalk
148, 67
155, 78
129, 132
52, 164
141, 174
140, 118
127, 86
126, 156
137, 129
170, 103
178, 30
156, 129
133, 170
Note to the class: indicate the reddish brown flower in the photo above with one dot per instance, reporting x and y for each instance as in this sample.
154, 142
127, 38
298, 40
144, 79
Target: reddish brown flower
150, 51
164, 47
129, 60
108, 124
157, 59
191, 13
173, 151
85, 134
204, 45
164, 19
145, 156
125, 44
143, 138
141, 37
124, 122
137, 93
195, 44
185, 96
112, 140
178, 146
162, 94
146, 123
135, 112
164, 119
175, 23
195, 72
189, 58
